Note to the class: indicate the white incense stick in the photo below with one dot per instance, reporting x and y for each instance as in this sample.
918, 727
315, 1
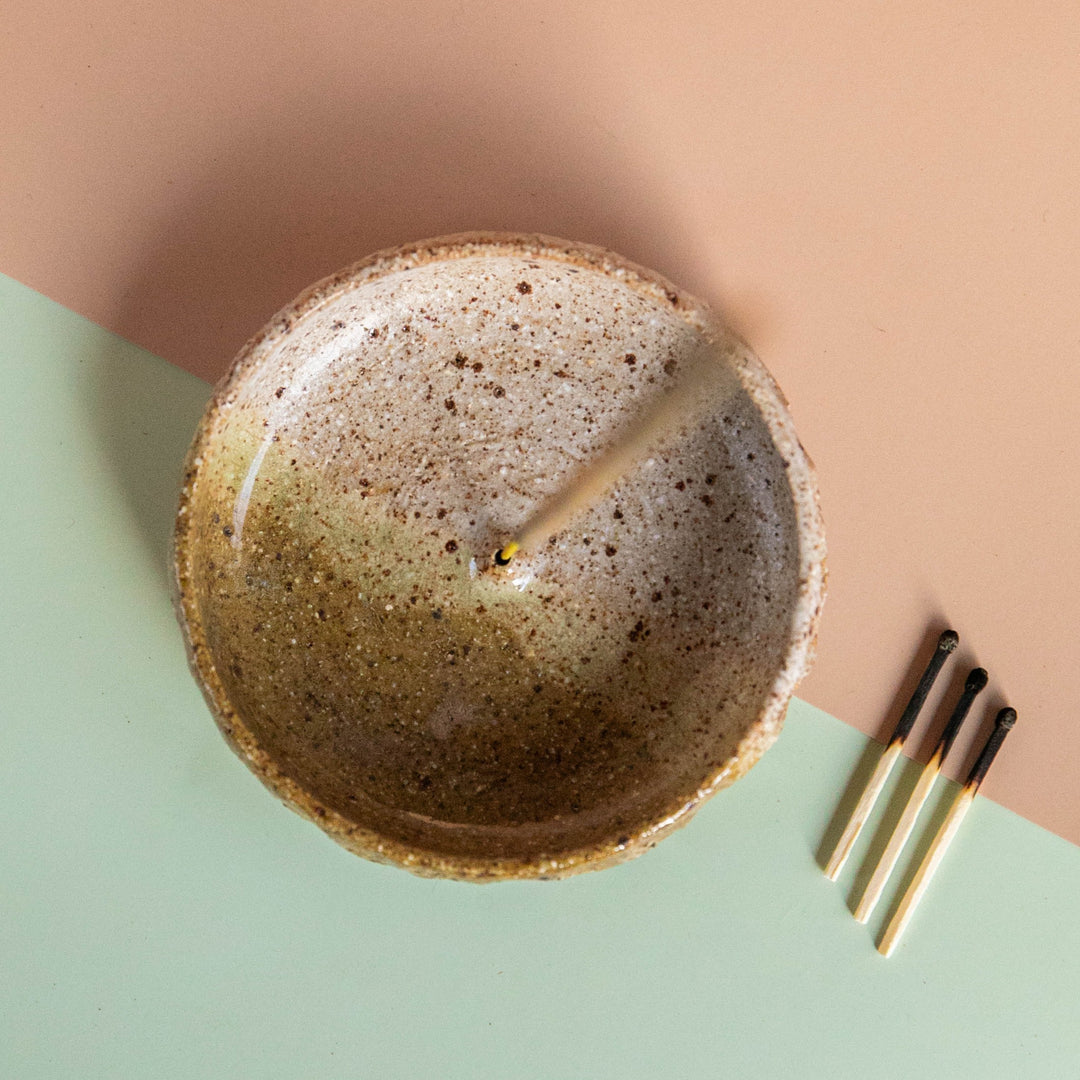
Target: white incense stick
700, 381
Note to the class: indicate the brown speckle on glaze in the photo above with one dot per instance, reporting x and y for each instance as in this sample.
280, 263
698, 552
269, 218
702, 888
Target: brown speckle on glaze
423, 706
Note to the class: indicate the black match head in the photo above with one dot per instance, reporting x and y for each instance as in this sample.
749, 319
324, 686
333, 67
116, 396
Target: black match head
1005, 719
1002, 725
946, 644
976, 681
501, 559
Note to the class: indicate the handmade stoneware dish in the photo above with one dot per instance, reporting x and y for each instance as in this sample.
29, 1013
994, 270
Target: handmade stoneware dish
353, 476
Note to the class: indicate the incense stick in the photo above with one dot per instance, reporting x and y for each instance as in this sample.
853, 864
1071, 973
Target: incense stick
701, 374
946, 644
976, 681
940, 844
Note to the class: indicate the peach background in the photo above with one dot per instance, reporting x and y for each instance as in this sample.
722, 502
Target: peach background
884, 198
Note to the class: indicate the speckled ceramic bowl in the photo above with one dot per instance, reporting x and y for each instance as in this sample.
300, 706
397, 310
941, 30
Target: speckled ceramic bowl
354, 473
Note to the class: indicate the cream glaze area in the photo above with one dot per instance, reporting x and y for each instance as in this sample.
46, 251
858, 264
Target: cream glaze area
351, 490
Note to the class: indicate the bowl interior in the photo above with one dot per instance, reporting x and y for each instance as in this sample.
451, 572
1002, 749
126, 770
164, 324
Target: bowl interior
347, 490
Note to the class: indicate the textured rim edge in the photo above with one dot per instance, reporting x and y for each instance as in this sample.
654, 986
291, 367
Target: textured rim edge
810, 596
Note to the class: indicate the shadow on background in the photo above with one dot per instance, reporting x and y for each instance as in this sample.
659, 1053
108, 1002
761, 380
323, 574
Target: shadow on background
144, 412
305, 189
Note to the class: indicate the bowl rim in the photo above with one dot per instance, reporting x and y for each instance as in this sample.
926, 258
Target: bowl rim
770, 403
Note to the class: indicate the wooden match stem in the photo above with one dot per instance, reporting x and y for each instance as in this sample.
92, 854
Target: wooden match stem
940, 844
899, 838
946, 644
927, 868
862, 810
889, 857
701, 374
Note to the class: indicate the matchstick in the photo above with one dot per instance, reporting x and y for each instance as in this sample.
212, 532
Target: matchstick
976, 680
940, 844
946, 644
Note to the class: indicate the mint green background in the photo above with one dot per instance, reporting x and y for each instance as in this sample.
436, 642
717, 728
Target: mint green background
161, 915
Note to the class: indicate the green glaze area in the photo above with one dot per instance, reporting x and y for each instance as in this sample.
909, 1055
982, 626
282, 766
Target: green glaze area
162, 915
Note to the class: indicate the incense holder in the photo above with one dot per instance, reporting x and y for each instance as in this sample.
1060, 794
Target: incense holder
347, 488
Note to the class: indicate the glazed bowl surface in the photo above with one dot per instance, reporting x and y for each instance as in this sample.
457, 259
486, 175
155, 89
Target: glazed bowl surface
357, 468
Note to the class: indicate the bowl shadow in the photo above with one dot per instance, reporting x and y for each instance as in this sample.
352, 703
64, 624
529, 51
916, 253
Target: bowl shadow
284, 206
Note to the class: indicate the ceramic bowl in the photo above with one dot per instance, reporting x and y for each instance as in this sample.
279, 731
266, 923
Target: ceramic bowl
357, 468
